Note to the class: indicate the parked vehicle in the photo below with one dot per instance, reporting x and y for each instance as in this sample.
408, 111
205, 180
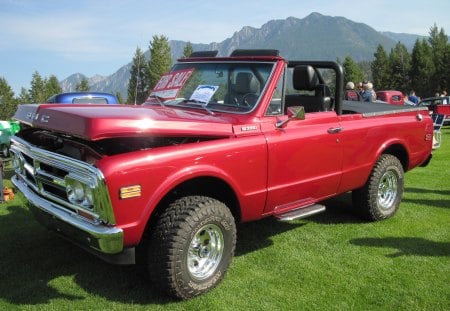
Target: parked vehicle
438, 105
7, 129
5, 135
83, 98
392, 97
220, 140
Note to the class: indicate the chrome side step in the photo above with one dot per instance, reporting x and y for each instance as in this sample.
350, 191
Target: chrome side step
301, 212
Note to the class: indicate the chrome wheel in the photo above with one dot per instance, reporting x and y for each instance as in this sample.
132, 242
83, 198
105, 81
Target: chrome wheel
191, 246
205, 252
387, 190
380, 197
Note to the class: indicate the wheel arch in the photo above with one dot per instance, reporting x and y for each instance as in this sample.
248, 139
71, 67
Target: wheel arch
201, 185
400, 152
210, 186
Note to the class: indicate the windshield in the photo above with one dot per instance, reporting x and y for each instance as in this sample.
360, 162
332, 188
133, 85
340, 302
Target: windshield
230, 87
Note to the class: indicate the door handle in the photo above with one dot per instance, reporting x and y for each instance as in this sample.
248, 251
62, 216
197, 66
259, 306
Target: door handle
334, 130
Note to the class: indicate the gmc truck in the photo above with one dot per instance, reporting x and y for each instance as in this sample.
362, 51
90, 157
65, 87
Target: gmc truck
219, 141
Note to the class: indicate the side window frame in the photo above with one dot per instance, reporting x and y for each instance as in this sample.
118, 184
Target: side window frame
275, 109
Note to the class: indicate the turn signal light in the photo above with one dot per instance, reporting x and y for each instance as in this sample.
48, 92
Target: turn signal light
130, 192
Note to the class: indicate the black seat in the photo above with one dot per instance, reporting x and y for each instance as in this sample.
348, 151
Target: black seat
245, 90
305, 78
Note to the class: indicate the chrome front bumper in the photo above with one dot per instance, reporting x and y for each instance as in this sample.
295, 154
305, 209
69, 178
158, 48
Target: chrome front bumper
101, 238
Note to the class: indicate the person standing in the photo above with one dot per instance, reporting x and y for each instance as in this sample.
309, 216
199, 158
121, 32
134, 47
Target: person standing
366, 94
444, 95
413, 98
350, 93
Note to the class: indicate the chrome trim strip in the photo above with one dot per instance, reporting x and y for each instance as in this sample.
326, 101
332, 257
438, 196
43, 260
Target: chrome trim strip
382, 113
108, 240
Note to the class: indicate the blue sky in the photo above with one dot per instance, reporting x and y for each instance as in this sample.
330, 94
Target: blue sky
62, 37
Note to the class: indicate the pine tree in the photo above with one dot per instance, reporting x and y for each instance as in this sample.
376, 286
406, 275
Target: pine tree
352, 72
400, 63
446, 69
52, 86
188, 50
380, 69
439, 48
24, 97
37, 91
8, 103
119, 97
138, 84
83, 85
422, 69
160, 59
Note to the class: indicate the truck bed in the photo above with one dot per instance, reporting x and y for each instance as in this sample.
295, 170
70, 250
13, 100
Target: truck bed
375, 108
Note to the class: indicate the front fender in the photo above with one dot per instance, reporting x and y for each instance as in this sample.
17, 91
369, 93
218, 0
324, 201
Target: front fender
239, 163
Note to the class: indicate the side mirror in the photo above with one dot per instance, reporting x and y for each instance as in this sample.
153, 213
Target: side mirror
294, 112
298, 112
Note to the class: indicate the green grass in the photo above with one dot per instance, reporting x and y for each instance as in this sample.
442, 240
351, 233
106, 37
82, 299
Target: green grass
332, 261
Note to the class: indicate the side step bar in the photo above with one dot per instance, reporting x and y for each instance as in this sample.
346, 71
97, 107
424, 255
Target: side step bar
301, 212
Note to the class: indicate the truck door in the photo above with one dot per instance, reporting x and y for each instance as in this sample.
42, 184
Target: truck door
304, 156
304, 161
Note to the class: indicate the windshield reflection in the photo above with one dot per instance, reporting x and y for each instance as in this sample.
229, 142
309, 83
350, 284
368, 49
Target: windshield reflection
228, 87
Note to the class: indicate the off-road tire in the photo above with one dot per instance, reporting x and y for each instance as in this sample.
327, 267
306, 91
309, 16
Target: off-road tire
380, 197
191, 246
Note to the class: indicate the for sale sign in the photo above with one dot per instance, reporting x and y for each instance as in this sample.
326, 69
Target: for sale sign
170, 84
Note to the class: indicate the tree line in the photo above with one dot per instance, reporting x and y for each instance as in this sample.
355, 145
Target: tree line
145, 71
426, 70
40, 90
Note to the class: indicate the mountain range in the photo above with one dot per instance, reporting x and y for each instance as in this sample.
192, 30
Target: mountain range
316, 37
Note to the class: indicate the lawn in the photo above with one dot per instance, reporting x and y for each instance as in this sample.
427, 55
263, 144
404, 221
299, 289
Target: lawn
332, 261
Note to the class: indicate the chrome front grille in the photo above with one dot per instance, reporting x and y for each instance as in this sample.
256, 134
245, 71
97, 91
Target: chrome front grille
46, 172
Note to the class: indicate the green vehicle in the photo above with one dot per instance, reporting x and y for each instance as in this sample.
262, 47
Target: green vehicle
7, 129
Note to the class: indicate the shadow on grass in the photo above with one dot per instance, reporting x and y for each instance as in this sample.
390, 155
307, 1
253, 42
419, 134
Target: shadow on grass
257, 235
407, 246
445, 202
422, 190
339, 210
435, 203
39, 267
36, 264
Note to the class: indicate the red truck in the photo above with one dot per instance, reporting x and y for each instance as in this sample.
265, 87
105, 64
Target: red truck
438, 105
390, 96
220, 140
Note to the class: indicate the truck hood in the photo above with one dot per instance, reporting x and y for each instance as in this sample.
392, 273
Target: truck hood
94, 122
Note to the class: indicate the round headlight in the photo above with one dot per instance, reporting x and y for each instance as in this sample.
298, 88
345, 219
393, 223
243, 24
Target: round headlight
87, 200
78, 191
18, 163
75, 192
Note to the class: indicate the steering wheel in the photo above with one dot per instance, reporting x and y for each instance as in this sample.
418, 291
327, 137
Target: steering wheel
249, 99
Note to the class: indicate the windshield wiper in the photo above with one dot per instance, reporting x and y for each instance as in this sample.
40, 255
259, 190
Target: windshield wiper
198, 103
159, 99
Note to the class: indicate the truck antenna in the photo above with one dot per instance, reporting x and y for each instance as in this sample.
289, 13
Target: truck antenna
138, 78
